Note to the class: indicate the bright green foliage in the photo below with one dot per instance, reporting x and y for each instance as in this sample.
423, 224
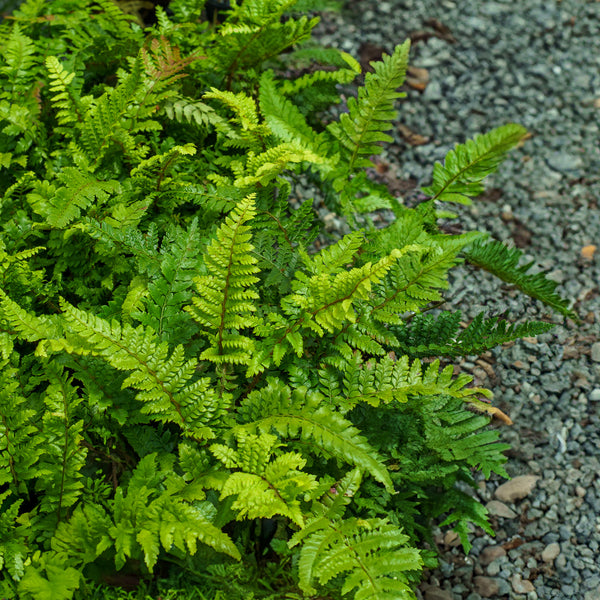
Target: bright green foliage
196, 383
373, 551
225, 304
362, 126
460, 178
264, 487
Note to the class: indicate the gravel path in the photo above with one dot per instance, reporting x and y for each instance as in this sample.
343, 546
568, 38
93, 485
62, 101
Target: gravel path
535, 62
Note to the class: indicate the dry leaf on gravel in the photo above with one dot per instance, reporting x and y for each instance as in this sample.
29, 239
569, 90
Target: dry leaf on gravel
588, 251
417, 78
413, 138
442, 31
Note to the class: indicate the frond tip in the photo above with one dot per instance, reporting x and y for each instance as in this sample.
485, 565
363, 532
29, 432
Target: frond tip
459, 178
502, 261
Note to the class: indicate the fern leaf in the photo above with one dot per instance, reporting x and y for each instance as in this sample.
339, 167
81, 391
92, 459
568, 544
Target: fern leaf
18, 56
267, 165
224, 305
502, 261
164, 383
63, 442
64, 98
80, 189
459, 179
385, 380
303, 415
372, 555
264, 487
427, 335
361, 129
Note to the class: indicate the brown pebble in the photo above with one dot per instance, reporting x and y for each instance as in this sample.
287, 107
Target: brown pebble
490, 554
488, 587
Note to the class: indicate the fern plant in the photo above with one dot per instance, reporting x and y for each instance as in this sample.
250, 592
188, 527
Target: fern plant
195, 384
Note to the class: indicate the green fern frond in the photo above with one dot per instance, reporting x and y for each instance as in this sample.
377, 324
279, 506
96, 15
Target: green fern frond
287, 123
459, 179
324, 303
62, 438
166, 385
243, 107
18, 62
334, 258
224, 304
502, 261
262, 168
361, 129
104, 122
253, 33
385, 380
21, 442
65, 99
188, 110
372, 554
171, 290
264, 486
441, 335
78, 192
347, 70
302, 415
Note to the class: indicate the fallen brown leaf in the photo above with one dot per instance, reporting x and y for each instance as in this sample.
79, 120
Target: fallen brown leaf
588, 251
417, 78
369, 52
414, 139
442, 31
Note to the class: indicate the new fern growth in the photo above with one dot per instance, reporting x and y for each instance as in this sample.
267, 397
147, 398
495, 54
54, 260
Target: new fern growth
186, 363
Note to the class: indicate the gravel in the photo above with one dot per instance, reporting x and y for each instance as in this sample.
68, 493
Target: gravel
534, 62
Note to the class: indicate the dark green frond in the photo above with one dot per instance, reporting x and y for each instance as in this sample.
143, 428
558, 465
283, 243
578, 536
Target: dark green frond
503, 262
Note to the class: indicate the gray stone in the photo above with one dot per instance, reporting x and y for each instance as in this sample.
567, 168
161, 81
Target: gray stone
433, 91
565, 162
516, 488
561, 561
595, 395
595, 352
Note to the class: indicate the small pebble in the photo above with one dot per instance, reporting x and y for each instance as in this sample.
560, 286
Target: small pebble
435, 593
488, 587
550, 552
521, 586
490, 554
499, 509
